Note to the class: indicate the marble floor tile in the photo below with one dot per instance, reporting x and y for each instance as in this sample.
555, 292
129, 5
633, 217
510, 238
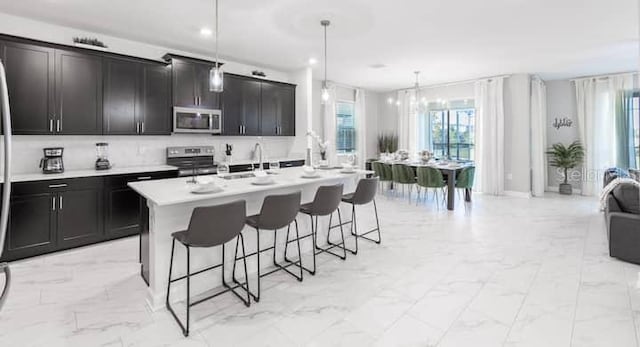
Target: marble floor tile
500, 271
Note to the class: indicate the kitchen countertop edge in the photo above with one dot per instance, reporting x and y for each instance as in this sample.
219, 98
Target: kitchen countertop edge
38, 176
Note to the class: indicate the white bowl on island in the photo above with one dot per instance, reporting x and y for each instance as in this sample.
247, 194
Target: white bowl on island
262, 178
348, 168
309, 172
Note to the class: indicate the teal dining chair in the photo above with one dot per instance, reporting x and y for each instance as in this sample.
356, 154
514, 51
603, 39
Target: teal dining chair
383, 172
403, 175
431, 178
464, 181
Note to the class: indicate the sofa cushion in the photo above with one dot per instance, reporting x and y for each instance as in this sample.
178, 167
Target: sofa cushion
613, 173
635, 174
628, 197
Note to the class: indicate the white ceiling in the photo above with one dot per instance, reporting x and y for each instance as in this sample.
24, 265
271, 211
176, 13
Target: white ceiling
448, 40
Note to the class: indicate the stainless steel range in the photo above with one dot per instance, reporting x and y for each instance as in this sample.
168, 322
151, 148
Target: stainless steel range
192, 161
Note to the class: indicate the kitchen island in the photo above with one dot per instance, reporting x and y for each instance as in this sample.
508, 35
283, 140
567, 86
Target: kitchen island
170, 203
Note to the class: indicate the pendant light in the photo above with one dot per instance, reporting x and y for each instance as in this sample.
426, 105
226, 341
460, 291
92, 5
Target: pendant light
325, 88
216, 77
418, 102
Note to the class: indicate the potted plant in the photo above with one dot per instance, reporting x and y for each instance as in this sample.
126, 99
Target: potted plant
387, 143
565, 158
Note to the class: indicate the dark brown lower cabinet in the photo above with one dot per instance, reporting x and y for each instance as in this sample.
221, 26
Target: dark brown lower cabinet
80, 213
123, 210
48, 216
32, 222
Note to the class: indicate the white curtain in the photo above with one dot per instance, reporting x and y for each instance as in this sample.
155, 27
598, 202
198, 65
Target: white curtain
595, 101
361, 127
489, 98
407, 122
538, 137
330, 125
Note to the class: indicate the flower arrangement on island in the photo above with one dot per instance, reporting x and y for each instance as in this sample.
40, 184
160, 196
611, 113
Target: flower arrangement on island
322, 145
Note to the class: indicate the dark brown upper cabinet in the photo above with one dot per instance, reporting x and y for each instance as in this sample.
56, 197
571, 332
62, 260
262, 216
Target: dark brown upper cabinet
155, 115
121, 97
136, 98
255, 107
30, 83
190, 83
78, 93
278, 109
241, 101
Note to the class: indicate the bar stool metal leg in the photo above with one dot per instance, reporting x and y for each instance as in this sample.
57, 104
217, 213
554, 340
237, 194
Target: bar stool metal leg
244, 286
281, 267
297, 263
334, 245
185, 329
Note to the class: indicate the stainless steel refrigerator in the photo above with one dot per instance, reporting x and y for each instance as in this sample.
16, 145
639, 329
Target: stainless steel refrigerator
6, 189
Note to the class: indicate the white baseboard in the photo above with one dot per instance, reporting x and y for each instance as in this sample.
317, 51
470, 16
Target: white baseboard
515, 194
557, 189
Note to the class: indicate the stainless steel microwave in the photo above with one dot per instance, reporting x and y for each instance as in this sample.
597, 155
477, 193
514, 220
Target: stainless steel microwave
197, 120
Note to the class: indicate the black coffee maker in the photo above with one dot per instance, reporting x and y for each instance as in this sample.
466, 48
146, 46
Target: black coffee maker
52, 161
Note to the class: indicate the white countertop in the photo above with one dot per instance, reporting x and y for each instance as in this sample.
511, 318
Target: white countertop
39, 176
176, 190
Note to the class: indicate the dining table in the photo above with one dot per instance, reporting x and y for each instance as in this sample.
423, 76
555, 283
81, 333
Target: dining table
450, 171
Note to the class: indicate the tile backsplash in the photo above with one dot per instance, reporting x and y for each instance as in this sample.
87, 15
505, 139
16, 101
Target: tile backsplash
80, 153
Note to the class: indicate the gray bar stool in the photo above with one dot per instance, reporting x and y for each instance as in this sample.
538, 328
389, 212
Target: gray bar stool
364, 194
325, 203
210, 226
277, 212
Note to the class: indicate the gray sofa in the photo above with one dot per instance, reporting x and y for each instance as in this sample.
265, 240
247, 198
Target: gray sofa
623, 222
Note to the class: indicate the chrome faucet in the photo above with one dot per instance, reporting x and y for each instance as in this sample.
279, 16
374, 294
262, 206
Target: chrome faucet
255, 149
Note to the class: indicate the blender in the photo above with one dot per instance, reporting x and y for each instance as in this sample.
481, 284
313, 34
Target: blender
102, 152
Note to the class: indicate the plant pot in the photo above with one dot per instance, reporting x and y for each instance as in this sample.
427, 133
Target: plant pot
565, 189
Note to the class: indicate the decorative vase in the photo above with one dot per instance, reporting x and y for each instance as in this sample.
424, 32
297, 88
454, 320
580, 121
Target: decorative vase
565, 189
323, 155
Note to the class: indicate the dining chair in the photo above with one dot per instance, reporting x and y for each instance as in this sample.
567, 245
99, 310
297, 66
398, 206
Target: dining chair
431, 178
403, 175
464, 180
383, 172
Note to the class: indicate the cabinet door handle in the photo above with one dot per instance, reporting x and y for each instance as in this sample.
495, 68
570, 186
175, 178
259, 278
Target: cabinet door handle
142, 178
51, 125
60, 203
57, 185
58, 126
53, 203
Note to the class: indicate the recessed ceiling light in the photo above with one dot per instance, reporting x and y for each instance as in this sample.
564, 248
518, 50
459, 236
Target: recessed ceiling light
313, 61
377, 66
206, 32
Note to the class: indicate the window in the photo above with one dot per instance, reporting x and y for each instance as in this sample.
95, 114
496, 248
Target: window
449, 133
635, 112
345, 127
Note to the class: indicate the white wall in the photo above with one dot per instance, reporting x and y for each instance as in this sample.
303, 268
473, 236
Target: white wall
561, 103
517, 137
142, 150
372, 103
387, 114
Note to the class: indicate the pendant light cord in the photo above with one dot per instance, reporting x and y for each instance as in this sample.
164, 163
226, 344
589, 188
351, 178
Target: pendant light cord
325, 54
217, 27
